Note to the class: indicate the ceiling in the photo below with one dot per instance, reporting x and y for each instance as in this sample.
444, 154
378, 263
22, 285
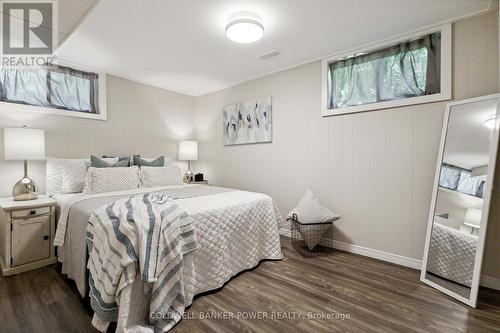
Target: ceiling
180, 44
71, 13
468, 140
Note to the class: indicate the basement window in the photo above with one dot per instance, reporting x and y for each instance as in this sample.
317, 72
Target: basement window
53, 89
415, 70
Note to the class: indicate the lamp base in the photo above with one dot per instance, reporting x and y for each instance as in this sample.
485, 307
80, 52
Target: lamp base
188, 177
25, 189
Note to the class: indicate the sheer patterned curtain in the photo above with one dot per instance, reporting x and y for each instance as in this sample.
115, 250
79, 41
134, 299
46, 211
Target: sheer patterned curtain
405, 70
50, 86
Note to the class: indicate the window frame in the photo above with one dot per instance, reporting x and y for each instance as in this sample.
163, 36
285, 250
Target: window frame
101, 100
446, 67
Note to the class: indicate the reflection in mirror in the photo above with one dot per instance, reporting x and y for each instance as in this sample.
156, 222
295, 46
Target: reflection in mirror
460, 194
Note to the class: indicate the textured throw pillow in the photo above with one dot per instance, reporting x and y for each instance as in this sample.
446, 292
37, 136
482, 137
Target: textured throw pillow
101, 180
73, 173
159, 162
108, 162
154, 176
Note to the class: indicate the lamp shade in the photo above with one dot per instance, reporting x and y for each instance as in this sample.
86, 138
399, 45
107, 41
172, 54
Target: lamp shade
188, 150
473, 216
24, 143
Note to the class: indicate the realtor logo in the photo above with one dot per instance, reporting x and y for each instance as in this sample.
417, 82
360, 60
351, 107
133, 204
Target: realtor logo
28, 27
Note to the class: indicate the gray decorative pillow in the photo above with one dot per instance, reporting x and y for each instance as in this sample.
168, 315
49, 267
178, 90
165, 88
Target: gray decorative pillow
159, 162
96, 162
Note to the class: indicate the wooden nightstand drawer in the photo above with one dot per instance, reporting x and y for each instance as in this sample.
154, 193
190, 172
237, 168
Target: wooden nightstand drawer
30, 212
30, 240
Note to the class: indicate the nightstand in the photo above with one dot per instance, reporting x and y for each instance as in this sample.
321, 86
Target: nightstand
26, 234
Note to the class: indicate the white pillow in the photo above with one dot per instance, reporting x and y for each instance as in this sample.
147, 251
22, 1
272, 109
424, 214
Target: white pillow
73, 174
309, 210
53, 179
160, 176
101, 180
72, 170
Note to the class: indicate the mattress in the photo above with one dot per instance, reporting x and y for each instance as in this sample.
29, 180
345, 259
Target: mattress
452, 254
235, 230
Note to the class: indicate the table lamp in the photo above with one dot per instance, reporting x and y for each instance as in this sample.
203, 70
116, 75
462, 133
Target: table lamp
188, 151
473, 217
24, 144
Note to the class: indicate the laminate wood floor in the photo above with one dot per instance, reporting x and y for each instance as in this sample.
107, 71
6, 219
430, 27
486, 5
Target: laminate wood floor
338, 292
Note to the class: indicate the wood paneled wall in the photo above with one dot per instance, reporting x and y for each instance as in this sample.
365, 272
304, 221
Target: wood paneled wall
376, 169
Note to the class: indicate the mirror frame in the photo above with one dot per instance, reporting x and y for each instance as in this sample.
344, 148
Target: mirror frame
476, 275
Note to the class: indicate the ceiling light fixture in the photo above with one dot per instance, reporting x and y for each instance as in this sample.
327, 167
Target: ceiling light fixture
244, 27
490, 122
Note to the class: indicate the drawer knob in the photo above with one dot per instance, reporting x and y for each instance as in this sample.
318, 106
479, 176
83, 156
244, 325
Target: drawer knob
45, 237
32, 212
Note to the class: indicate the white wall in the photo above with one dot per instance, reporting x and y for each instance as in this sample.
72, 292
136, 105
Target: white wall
375, 169
141, 120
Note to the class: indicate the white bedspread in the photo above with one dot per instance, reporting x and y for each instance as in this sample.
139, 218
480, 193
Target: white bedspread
452, 254
235, 231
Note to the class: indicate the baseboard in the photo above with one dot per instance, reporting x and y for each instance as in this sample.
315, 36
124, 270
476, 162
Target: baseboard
490, 282
376, 254
486, 281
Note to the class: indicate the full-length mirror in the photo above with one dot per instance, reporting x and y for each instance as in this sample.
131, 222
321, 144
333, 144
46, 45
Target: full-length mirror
461, 196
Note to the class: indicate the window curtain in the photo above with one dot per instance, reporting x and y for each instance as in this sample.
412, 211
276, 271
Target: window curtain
71, 89
461, 180
23, 86
405, 70
50, 86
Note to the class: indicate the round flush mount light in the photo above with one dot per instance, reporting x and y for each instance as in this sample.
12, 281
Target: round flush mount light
244, 27
490, 122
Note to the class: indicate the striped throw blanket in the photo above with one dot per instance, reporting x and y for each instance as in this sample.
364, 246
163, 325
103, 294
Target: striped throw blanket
147, 234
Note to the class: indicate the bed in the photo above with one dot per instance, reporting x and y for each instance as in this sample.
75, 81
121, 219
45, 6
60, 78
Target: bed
234, 229
452, 254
